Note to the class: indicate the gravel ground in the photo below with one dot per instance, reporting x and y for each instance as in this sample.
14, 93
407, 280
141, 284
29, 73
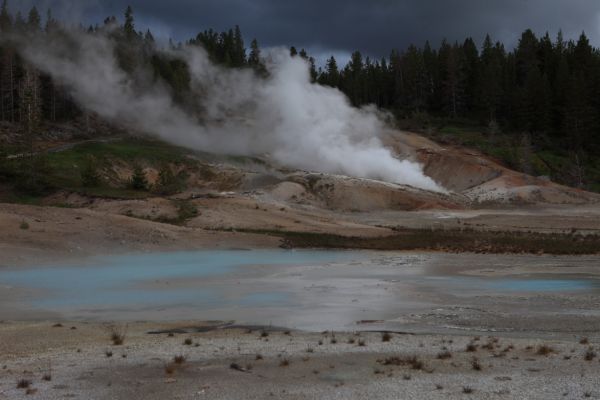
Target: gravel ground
286, 365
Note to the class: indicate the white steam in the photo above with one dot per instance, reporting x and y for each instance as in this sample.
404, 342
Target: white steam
299, 124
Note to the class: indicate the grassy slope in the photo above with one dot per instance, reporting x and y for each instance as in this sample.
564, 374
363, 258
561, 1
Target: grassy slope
63, 169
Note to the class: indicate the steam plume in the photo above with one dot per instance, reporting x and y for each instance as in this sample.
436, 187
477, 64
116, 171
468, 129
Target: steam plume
299, 124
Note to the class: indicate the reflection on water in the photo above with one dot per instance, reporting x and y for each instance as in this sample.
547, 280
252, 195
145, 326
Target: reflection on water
515, 284
308, 288
118, 281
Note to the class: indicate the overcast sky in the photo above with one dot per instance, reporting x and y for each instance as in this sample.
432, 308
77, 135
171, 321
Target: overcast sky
340, 26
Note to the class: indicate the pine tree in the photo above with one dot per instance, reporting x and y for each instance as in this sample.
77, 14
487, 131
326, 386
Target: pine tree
129, 26
5, 18
89, 174
332, 73
239, 51
34, 20
138, 179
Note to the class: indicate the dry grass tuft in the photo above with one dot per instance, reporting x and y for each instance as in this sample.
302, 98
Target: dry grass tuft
412, 361
23, 384
471, 348
170, 368
179, 359
590, 354
117, 335
544, 350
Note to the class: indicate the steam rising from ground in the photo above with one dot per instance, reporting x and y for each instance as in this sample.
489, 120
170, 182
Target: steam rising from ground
297, 123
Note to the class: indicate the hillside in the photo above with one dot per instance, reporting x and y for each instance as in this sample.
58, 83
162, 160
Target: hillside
193, 198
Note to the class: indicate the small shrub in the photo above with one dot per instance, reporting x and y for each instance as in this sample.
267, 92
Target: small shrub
412, 361
438, 387
188, 342
47, 377
584, 341
284, 363
258, 357
108, 353
544, 350
361, 342
471, 348
138, 180
590, 354
351, 340
264, 334
23, 384
406, 377
179, 359
386, 337
24, 225
117, 336
89, 174
475, 364
170, 369
444, 355
310, 350
467, 390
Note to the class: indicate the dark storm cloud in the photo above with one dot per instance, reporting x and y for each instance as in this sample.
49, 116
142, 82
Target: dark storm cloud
374, 26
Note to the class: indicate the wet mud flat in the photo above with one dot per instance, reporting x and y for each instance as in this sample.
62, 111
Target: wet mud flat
318, 290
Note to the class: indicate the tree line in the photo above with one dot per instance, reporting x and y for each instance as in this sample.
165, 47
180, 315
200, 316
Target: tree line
547, 89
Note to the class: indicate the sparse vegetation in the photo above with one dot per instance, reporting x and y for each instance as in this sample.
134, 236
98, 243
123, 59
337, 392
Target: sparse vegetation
444, 355
544, 350
412, 361
117, 336
475, 364
452, 240
138, 179
590, 354
386, 337
471, 348
170, 368
284, 362
467, 389
23, 383
24, 225
89, 174
188, 342
179, 359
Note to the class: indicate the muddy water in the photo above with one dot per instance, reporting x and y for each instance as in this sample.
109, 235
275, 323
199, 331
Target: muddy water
317, 290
